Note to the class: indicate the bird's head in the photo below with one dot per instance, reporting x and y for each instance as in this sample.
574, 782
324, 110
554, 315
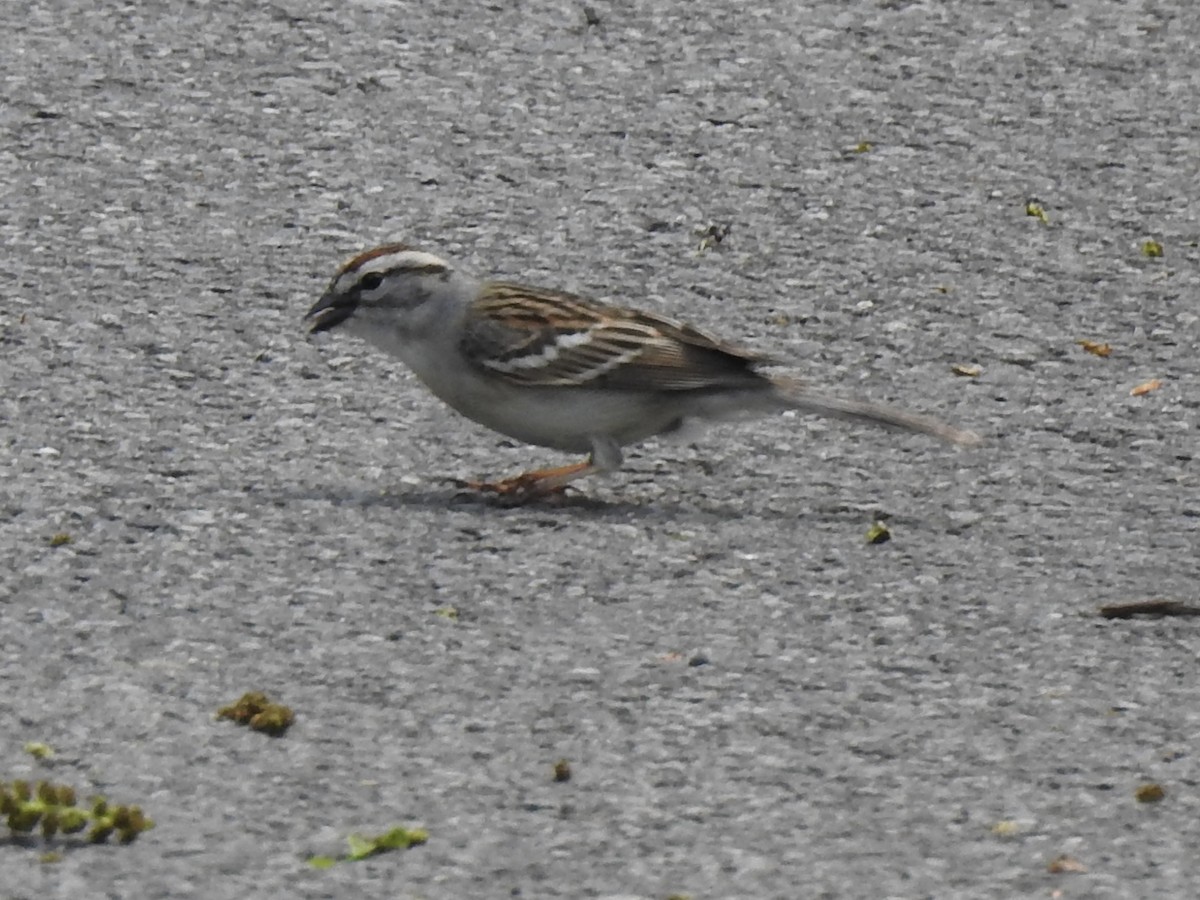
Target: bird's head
382, 287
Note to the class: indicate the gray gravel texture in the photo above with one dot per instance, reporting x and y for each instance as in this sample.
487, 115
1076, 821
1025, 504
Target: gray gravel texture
250, 509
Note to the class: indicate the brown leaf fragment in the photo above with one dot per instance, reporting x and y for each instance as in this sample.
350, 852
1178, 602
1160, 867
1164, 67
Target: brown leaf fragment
1096, 348
1149, 793
1064, 864
1146, 387
1157, 608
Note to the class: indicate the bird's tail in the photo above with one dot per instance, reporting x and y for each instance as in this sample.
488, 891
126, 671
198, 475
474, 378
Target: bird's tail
797, 396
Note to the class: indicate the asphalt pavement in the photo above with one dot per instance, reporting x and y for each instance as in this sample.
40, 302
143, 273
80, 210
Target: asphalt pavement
927, 204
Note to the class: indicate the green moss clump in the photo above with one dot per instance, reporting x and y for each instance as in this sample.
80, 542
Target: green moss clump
249, 705
256, 710
53, 807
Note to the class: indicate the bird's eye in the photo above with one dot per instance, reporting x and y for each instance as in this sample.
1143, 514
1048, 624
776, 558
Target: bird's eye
370, 281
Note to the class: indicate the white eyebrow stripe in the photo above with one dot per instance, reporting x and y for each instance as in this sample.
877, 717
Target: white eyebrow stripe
402, 259
405, 259
414, 260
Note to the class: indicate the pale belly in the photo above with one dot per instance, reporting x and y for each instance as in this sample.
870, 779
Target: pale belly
571, 418
563, 418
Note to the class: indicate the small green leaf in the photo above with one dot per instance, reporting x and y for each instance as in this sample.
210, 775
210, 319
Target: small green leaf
878, 533
1035, 209
400, 838
39, 750
360, 847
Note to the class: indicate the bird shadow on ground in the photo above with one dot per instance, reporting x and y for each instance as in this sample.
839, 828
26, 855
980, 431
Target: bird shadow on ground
572, 503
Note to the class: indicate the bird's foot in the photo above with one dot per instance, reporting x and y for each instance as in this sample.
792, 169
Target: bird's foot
529, 486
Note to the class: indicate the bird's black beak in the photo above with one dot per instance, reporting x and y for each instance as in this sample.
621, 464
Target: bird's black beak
330, 311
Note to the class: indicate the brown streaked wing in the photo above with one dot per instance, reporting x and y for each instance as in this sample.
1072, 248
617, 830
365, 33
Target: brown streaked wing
533, 336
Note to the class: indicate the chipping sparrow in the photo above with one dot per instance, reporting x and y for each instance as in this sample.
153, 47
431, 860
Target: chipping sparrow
557, 370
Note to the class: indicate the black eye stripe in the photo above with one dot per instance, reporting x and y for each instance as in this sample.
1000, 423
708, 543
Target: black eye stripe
370, 281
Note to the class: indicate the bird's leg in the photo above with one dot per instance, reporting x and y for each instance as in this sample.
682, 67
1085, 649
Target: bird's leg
605, 457
537, 483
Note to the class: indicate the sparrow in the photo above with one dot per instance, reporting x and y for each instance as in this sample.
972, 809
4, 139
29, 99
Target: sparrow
554, 369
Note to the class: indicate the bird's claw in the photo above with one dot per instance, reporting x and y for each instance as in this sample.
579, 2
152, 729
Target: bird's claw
513, 491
